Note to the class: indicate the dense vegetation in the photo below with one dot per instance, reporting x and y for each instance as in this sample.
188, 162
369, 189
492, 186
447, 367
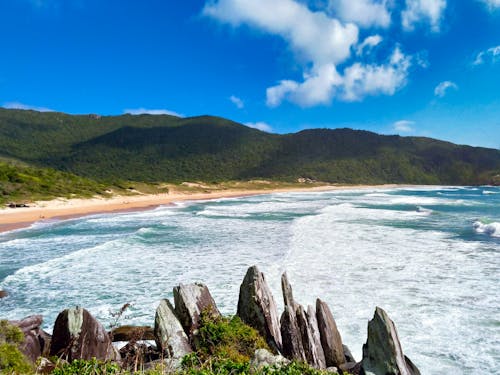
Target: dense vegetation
23, 183
171, 149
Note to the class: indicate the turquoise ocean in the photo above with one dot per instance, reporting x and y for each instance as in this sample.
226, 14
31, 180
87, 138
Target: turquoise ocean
429, 256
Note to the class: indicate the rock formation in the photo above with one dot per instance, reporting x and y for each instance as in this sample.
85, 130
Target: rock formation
317, 348
132, 333
36, 341
263, 357
190, 301
331, 340
382, 353
299, 333
257, 308
3, 293
78, 335
169, 333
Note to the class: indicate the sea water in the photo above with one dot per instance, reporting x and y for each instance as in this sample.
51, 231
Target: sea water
429, 256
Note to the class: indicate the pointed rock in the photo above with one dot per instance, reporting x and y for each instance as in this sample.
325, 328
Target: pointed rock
190, 301
316, 347
257, 308
382, 353
78, 335
311, 350
331, 341
291, 337
287, 291
169, 334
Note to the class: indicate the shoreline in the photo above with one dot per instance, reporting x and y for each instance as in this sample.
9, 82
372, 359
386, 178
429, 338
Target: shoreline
65, 209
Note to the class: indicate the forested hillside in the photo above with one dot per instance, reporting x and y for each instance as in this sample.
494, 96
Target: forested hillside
172, 149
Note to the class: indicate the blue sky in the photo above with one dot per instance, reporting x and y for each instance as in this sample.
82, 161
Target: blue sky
408, 67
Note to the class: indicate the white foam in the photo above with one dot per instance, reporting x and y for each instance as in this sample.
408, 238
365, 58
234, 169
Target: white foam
490, 229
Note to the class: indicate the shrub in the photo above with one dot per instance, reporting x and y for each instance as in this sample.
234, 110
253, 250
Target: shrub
87, 367
12, 361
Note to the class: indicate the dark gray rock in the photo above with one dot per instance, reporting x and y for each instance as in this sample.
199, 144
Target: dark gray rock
190, 301
316, 347
291, 336
382, 353
257, 308
78, 335
313, 351
287, 291
169, 333
331, 341
348, 354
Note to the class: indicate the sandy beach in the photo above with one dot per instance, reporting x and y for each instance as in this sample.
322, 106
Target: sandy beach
15, 218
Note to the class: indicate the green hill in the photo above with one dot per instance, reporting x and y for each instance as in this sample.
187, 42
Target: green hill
172, 149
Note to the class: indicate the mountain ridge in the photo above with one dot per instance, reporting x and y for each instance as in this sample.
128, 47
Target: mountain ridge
154, 148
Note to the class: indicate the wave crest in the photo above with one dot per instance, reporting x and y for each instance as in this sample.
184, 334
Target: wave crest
491, 229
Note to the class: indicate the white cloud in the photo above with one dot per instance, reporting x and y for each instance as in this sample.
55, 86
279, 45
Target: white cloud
18, 105
313, 36
403, 126
262, 126
492, 4
364, 13
441, 89
368, 44
237, 102
360, 80
491, 54
322, 44
417, 11
145, 111
319, 87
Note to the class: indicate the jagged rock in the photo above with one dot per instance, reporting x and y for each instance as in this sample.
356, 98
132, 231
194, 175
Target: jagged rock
348, 354
169, 334
331, 341
132, 333
257, 308
298, 340
36, 341
382, 353
78, 335
291, 337
263, 357
287, 291
316, 348
190, 300
313, 355
3, 294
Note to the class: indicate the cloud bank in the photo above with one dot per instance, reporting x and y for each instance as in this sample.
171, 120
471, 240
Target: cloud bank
323, 43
